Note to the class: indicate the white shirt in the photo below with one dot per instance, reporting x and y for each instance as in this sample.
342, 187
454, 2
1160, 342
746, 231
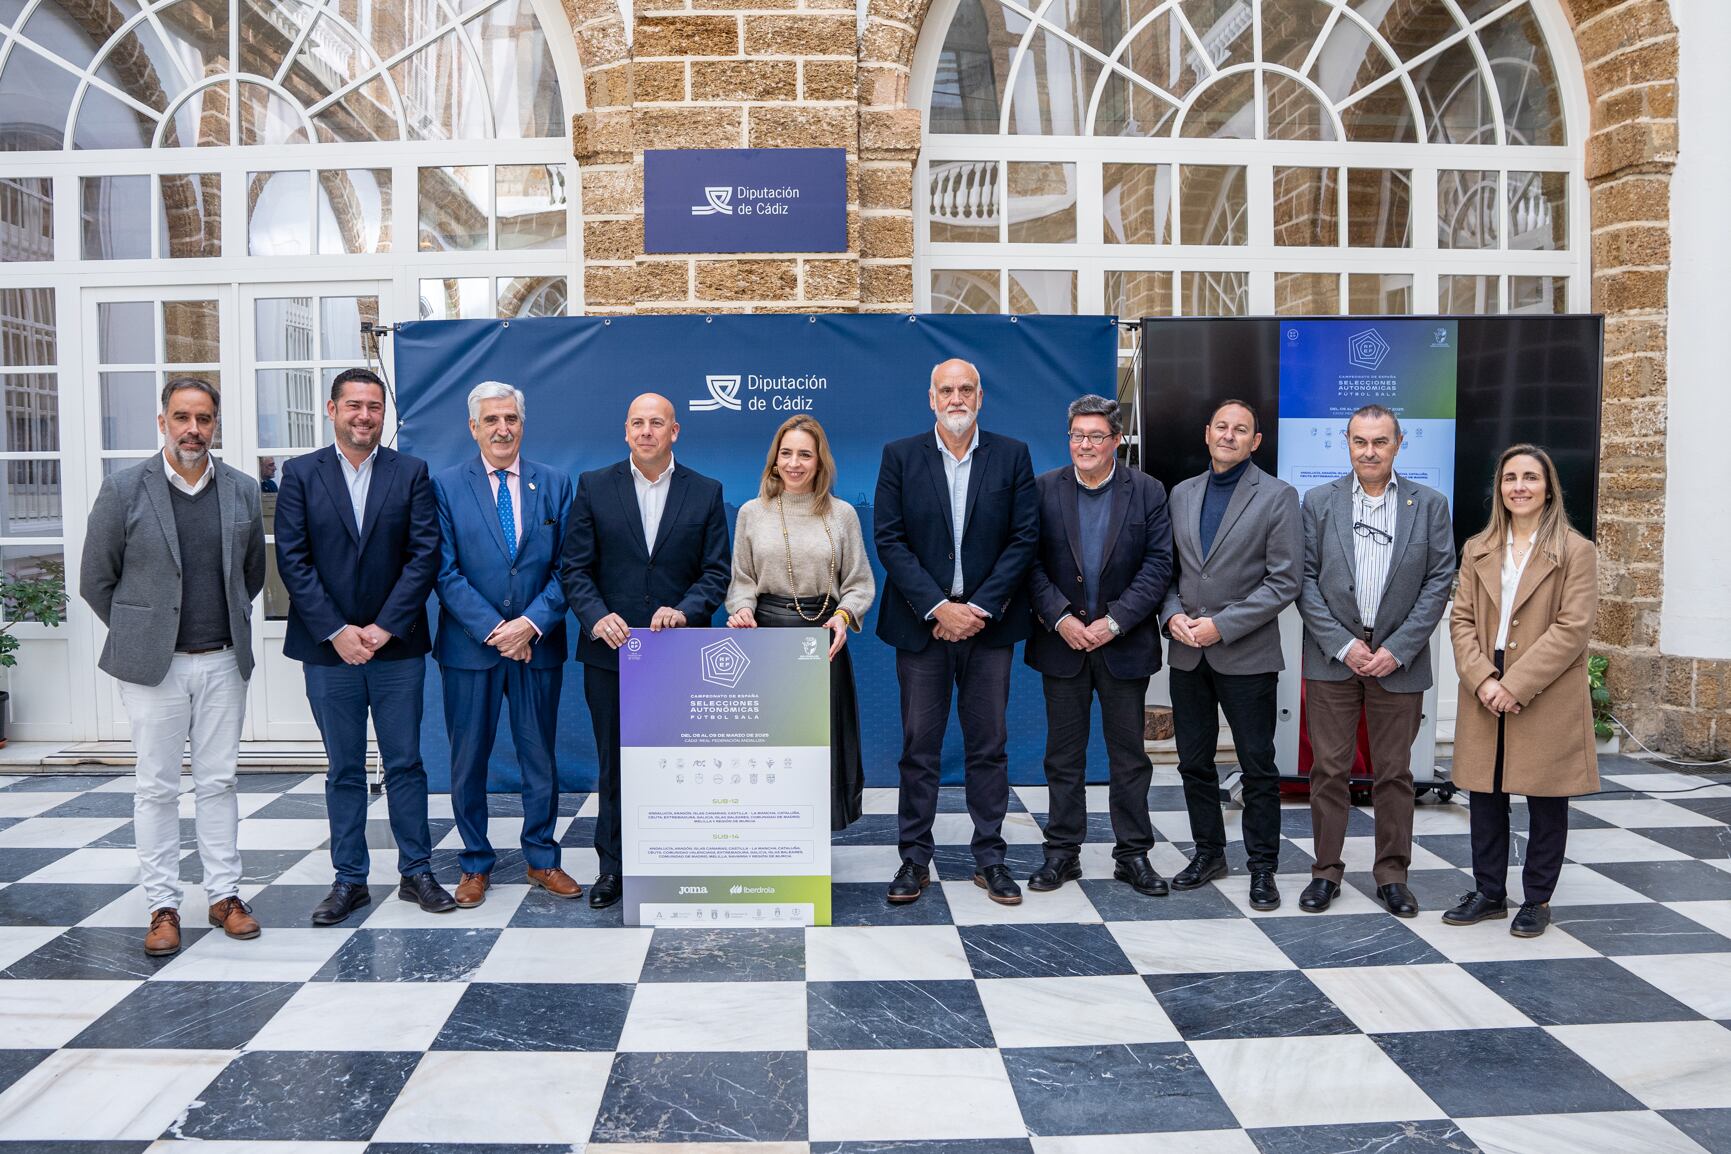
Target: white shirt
1371, 555
179, 482
651, 500
956, 474
1511, 582
360, 481
514, 478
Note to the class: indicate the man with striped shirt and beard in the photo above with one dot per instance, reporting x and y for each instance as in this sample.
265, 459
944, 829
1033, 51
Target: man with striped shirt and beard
1378, 562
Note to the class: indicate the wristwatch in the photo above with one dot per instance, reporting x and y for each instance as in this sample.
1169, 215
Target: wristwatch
1112, 625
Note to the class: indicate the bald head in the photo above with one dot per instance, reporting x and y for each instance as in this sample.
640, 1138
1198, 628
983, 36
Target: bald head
650, 430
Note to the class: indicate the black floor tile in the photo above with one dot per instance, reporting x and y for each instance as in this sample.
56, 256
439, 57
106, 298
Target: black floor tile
1711, 1129
1117, 902
1705, 842
1579, 991
732, 1097
1434, 890
21, 863
740, 955
1137, 1089
1637, 928
1489, 1073
896, 1016
536, 1017
97, 953
863, 904
14, 1064
93, 805
409, 956
187, 1016
1671, 881
1314, 941
1392, 1137
1273, 1004
265, 1096
1043, 950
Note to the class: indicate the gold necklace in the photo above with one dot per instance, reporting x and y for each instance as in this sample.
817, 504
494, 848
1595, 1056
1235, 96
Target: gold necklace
787, 546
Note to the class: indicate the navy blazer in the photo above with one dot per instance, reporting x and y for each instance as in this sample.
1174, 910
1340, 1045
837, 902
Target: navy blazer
337, 575
912, 526
480, 584
1133, 578
607, 567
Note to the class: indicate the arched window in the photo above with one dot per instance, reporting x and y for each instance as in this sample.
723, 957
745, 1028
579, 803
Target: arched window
1224, 157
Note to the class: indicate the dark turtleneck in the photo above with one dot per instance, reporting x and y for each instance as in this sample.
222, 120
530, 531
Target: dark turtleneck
1215, 500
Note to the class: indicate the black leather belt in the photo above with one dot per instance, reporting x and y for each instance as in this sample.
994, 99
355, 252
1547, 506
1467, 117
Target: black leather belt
202, 652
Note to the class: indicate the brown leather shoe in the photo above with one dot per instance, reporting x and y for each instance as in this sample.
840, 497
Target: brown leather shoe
163, 937
556, 882
471, 890
235, 919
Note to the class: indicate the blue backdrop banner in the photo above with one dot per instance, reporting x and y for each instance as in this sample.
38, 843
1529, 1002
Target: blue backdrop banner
733, 380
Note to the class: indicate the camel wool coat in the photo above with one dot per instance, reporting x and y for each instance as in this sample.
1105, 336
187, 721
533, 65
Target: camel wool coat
1548, 745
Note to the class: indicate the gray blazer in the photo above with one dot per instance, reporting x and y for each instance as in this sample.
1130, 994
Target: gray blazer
1419, 576
1248, 576
131, 567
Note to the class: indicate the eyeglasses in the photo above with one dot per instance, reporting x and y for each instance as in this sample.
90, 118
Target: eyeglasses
1381, 536
1090, 438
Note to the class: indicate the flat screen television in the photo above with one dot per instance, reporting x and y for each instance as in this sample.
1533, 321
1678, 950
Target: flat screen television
1517, 378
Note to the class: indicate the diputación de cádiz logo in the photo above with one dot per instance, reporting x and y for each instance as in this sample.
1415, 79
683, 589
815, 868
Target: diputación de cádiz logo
724, 663
723, 394
719, 199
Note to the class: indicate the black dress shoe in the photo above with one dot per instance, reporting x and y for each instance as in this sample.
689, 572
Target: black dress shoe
1054, 873
344, 899
607, 890
1398, 899
1264, 894
910, 881
1203, 868
1475, 908
1531, 921
1141, 876
1317, 895
999, 885
425, 891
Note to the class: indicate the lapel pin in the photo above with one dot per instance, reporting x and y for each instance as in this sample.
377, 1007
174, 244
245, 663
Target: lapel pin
1408, 500
532, 489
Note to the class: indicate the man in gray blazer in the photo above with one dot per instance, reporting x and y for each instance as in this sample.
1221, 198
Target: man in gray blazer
1379, 558
1238, 543
173, 557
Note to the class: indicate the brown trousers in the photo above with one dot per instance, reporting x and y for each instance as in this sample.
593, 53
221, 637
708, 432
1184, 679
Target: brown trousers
1331, 710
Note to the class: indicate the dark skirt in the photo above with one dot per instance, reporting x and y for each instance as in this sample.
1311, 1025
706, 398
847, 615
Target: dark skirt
846, 770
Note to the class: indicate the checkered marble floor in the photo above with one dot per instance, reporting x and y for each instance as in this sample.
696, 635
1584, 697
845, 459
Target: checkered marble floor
1086, 1021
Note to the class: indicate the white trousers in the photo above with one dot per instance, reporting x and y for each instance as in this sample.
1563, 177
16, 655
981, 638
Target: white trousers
202, 698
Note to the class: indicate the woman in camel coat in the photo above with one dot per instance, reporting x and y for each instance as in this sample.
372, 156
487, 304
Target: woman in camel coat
1523, 615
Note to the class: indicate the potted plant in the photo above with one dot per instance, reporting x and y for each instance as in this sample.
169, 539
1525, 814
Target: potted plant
1603, 728
33, 596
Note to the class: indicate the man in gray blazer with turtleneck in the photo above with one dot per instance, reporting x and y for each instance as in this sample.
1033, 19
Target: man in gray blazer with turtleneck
1238, 545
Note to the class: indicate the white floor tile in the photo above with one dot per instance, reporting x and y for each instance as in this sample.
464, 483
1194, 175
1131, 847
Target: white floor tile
864, 863
963, 1094
125, 783
1667, 1065
494, 913
1700, 981
1492, 942
1178, 1142
879, 800
1668, 783
1429, 820
1358, 854
969, 905
1101, 1011
715, 1016
18, 941
1578, 885
885, 954
566, 955
958, 829
274, 956
1350, 900
201, 1146
1214, 945
306, 833
1641, 813
1619, 1132
1608, 845
91, 867
106, 1094
39, 1015
1273, 1081
29, 804
58, 832
133, 908
529, 1098
1716, 916
360, 1016
316, 870
1400, 999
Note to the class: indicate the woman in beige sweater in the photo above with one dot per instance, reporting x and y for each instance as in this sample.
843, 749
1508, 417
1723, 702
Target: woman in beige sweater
799, 561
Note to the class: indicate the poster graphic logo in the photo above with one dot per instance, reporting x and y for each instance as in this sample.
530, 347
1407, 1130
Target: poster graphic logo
1367, 349
723, 394
808, 647
720, 198
724, 663
634, 644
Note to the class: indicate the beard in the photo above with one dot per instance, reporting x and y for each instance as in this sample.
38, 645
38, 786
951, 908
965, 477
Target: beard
958, 424
190, 458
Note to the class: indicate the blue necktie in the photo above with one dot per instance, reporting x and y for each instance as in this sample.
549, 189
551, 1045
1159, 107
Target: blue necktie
507, 519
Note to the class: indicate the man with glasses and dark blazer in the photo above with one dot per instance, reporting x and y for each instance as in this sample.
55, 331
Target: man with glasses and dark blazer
1379, 560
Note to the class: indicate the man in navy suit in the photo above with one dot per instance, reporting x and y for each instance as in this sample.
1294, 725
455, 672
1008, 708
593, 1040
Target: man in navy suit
956, 522
357, 546
646, 547
1105, 559
502, 633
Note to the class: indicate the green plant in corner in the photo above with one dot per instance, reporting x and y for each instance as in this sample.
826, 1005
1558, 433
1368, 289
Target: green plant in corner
1601, 697
40, 596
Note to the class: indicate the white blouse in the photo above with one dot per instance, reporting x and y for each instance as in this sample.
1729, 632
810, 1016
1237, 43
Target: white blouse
1511, 582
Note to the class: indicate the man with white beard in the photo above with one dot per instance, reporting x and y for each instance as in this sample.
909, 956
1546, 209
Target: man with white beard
956, 524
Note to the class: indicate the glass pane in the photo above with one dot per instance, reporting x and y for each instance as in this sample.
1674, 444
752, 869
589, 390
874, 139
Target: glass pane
1349, 60
365, 114
1306, 294
1378, 208
1042, 205
1466, 210
441, 93
1139, 294
1379, 294
27, 335
191, 215
328, 60
1129, 109
200, 121
355, 211
32, 412
340, 321
1538, 294
34, 562
1137, 203
964, 201
959, 290
457, 298
141, 53
283, 329
1383, 117
1053, 87
1307, 207
1216, 294
532, 296
268, 119
1213, 200
1410, 26
34, 98
105, 122
453, 208
1047, 292
519, 70
116, 217
128, 410
273, 25
199, 32
1224, 27
1456, 103
1099, 24
1161, 53
291, 412
1294, 113
1290, 28
968, 89
30, 499
1468, 294
1225, 111
1539, 210
278, 216
190, 333
126, 333
26, 217
530, 202
1532, 101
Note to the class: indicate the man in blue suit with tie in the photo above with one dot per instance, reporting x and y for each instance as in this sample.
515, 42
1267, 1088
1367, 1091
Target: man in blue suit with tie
502, 633
646, 547
357, 546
